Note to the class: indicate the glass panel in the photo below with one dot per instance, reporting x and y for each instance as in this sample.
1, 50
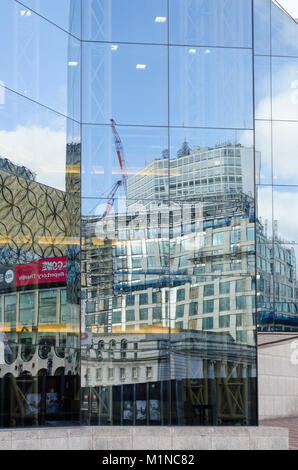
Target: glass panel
10, 310
262, 26
167, 249
218, 244
115, 364
29, 62
200, 322
40, 214
285, 279
264, 211
141, 231
284, 88
265, 281
47, 308
24, 128
285, 227
27, 309
285, 142
125, 21
125, 314
211, 22
262, 77
116, 312
63, 306
199, 97
209, 161
128, 84
42, 331
284, 32
64, 13
141, 166
263, 152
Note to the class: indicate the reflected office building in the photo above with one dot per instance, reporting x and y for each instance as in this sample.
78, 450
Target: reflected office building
168, 295
145, 189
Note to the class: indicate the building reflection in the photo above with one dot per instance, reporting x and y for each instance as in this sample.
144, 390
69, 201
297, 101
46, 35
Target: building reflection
168, 296
39, 282
170, 277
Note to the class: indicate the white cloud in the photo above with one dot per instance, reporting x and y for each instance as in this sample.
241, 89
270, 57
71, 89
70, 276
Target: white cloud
285, 153
41, 149
291, 6
284, 134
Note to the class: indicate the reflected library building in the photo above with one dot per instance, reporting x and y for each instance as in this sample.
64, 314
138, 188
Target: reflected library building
147, 205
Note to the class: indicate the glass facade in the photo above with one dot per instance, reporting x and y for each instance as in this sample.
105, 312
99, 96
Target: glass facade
276, 123
167, 198
138, 139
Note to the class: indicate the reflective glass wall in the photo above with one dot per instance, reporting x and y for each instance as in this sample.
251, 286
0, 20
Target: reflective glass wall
276, 131
168, 213
146, 243
40, 152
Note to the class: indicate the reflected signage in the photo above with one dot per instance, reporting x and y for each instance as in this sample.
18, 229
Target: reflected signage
43, 271
7, 278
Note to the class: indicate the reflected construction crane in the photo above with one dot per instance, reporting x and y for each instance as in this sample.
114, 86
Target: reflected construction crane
120, 155
111, 198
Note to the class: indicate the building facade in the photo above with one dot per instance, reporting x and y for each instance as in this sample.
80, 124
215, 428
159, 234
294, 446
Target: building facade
145, 232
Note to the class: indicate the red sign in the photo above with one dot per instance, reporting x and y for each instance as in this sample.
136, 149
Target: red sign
43, 271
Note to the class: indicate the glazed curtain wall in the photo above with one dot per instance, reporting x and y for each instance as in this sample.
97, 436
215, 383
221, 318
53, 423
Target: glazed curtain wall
168, 241
40, 152
146, 243
276, 57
